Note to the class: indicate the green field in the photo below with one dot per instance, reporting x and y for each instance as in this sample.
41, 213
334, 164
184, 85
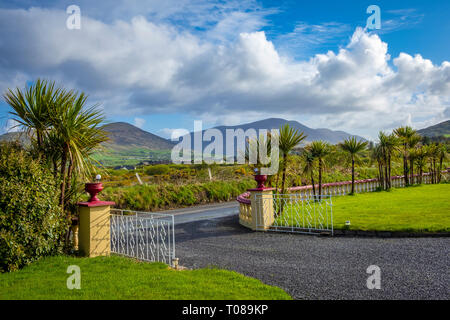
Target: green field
423, 208
122, 278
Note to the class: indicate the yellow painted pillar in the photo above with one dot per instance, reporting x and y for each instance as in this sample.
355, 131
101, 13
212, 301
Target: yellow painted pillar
94, 228
263, 214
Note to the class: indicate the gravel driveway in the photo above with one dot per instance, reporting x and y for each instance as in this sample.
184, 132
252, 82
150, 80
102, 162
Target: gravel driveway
312, 267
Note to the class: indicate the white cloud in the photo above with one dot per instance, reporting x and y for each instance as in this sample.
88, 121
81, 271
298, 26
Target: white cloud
12, 126
139, 122
143, 67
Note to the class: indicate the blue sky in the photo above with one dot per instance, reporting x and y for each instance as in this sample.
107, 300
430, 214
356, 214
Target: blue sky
230, 62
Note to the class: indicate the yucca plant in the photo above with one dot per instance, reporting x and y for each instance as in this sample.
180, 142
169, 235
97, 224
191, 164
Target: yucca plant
353, 147
320, 150
288, 140
405, 134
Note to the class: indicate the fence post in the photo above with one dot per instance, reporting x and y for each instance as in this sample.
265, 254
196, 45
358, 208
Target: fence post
94, 224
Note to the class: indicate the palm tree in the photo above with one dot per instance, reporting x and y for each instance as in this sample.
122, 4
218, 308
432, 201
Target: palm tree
441, 155
64, 131
31, 108
388, 145
405, 134
320, 150
289, 139
353, 148
308, 169
378, 156
413, 141
420, 160
79, 131
432, 155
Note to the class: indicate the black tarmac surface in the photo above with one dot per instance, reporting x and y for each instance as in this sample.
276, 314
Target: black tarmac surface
314, 267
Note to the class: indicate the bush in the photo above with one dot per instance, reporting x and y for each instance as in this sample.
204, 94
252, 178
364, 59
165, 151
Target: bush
31, 222
158, 169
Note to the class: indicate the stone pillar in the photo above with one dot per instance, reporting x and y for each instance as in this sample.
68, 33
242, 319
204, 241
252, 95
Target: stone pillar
263, 214
94, 224
94, 228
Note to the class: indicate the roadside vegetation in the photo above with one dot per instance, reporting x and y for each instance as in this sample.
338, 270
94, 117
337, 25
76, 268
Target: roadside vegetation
117, 278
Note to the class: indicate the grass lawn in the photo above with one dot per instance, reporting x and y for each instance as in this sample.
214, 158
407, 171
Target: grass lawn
424, 208
122, 278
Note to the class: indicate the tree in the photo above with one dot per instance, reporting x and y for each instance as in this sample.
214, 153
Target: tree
31, 107
388, 145
308, 169
420, 160
320, 150
79, 131
441, 155
413, 141
378, 156
404, 134
63, 129
289, 139
353, 148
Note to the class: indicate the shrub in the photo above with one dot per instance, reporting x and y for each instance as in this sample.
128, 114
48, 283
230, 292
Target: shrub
158, 169
31, 222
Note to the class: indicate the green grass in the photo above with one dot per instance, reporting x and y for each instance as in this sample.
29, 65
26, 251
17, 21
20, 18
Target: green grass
122, 278
423, 208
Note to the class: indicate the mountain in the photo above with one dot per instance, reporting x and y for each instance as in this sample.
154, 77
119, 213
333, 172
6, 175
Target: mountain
440, 129
15, 136
312, 134
124, 135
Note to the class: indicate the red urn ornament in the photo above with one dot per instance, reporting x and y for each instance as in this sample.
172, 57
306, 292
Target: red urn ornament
260, 179
94, 189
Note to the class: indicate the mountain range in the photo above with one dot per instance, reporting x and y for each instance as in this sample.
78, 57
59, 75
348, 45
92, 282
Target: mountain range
439, 130
129, 144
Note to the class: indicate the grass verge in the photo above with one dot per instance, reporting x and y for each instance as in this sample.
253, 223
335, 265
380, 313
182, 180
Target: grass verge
122, 278
420, 209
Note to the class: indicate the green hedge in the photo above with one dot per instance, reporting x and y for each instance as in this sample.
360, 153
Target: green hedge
31, 222
164, 196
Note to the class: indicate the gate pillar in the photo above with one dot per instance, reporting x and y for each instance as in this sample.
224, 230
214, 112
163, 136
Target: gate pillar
263, 214
94, 224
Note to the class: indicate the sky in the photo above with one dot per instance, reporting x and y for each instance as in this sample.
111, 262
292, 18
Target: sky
160, 65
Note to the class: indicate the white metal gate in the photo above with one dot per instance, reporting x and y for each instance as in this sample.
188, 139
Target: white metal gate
294, 213
143, 235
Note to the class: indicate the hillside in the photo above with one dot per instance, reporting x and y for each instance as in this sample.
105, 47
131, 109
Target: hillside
123, 135
438, 130
312, 134
15, 136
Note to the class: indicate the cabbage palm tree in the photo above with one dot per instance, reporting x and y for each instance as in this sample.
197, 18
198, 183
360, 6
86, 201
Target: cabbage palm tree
441, 155
420, 160
320, 150
413, 141
31, 106
65, 132
404, 134
308, 169
389, 145
378, 156
79, 131
288, 140
353, 148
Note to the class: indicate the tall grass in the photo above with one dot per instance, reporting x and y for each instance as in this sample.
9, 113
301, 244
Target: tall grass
164, 196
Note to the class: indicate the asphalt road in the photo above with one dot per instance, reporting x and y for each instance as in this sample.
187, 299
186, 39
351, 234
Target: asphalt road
313, 267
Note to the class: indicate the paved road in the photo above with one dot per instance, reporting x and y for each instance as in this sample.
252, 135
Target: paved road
203, 212
310, 267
